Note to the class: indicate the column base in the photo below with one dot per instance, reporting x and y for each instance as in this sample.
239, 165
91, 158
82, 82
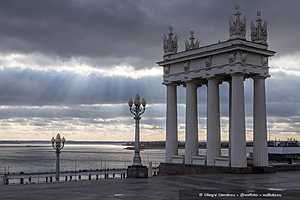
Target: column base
135, 171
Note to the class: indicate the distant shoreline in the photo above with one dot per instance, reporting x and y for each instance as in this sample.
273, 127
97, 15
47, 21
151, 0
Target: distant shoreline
68, 141
143, 145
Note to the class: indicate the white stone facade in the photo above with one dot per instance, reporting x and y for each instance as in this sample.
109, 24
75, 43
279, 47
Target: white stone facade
230, 61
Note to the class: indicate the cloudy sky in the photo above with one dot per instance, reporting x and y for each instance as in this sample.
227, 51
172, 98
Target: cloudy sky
71, 65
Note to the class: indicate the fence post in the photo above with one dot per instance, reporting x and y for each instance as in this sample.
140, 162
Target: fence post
150, 170
5, 180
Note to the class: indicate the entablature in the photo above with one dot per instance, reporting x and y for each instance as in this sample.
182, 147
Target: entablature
221, 59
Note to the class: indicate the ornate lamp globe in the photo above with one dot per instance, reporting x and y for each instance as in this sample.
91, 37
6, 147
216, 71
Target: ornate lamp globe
63, 140
58, 139
137, 101
143, 102
52, 140
130, 102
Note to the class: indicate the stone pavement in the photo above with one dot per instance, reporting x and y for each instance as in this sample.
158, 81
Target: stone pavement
158, 188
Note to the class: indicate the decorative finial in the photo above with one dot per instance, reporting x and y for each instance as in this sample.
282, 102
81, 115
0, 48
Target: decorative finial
192, 35
258, 13
237, 8
170, 42
170, 30
192, 43
237, 25
259, 30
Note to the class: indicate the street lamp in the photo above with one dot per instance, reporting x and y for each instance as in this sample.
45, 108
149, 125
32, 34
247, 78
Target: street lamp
137, 107
58, 144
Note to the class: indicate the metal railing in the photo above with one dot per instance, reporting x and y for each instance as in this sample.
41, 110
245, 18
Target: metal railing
77, 174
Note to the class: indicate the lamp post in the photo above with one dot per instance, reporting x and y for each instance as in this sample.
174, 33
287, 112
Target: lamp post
137, 107
58, 144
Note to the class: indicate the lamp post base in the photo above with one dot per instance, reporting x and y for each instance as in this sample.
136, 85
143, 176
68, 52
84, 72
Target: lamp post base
137, 171
137, 161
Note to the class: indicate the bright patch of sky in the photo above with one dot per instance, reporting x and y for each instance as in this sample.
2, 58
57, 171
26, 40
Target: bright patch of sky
288, 63
79, 65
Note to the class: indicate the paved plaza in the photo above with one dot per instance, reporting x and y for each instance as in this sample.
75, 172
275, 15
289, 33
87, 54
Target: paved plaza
161, 187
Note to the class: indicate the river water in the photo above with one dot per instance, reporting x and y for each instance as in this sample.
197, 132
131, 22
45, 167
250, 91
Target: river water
41, 157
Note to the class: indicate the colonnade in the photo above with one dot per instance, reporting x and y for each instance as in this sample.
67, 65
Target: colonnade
237, 132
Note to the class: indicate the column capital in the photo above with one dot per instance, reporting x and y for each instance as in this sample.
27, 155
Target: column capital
197, 83
219, 80
229, 78
259, 77
237, 74
171, 83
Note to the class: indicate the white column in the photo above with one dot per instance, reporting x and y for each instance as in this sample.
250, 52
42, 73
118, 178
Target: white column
229, 121
260, 149
191, 123
238, 137
213, 121
171, 126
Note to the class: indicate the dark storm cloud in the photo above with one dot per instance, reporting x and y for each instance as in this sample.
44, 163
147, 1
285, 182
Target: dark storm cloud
131, 29
77, 28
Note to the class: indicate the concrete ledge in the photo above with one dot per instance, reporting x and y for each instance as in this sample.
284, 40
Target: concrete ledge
222, 161
182, 169
287, 167
178, 159
199, 160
